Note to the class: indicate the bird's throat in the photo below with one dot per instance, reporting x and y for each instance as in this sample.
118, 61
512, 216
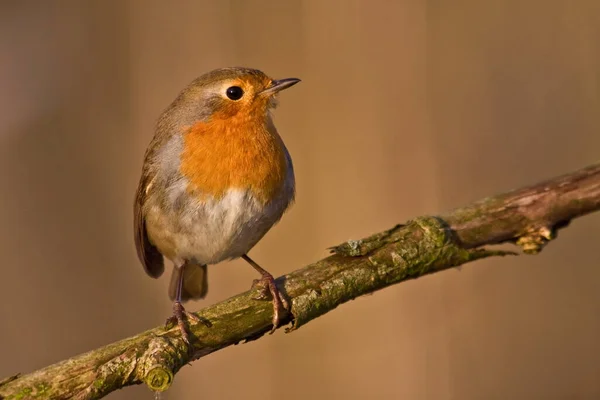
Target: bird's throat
241, 152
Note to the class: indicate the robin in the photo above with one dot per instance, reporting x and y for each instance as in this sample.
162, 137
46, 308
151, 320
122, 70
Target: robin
216, 177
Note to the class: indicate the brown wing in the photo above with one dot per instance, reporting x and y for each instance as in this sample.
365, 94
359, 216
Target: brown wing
148, 254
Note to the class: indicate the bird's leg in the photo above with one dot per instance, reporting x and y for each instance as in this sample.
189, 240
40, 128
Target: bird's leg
268, 285
179, 313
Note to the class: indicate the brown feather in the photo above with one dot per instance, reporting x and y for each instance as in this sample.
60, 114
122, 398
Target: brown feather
195, 282
147, 253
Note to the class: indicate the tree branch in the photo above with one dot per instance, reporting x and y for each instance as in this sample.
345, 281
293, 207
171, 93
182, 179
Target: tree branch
528, 217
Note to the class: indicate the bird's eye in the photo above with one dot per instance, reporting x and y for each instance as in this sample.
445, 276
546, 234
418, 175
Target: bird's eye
235, 92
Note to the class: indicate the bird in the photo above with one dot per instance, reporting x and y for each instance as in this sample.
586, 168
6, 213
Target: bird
215, 178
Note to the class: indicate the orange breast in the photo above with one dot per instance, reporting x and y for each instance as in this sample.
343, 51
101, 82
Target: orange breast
239, 152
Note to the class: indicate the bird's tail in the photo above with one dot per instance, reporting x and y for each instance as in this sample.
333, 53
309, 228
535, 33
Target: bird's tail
195, 282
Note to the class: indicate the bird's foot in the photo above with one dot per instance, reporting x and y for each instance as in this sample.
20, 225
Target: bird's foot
181, 317
267, 286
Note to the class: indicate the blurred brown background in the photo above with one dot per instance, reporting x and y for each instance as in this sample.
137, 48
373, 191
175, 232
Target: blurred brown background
406, 108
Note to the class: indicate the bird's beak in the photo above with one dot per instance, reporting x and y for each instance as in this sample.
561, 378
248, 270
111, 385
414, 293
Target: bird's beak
279, 85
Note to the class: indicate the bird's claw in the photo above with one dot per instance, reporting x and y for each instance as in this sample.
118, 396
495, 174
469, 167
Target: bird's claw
267, 288
181, 318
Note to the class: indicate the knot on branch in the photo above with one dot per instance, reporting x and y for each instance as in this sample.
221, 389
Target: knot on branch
158, 378
534, 240
161, 361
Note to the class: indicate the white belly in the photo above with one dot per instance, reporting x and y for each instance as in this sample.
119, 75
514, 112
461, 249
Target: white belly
211, 231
